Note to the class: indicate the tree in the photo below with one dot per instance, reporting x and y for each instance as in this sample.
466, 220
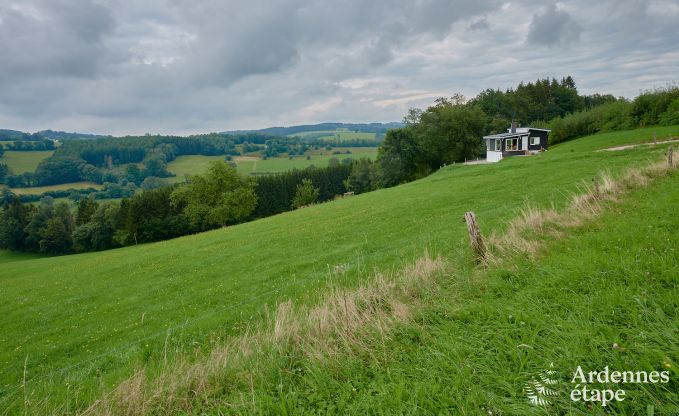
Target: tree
333, 161
86, 208
363, 176
13, 220
133, 174
56, 170
218, 198
400, 158
4, 171
152, 182
305, 194
155, 166
98, 233
450, 131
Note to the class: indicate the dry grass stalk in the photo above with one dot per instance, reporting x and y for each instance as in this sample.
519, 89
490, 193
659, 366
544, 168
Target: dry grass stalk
342, 323
524, 233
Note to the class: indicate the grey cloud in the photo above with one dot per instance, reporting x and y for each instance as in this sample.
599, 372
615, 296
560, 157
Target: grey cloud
181, 66
553, 27
52, 38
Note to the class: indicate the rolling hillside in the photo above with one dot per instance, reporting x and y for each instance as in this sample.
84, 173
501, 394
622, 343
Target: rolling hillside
95, 318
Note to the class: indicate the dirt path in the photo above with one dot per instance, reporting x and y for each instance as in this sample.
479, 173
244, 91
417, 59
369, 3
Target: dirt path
630, 146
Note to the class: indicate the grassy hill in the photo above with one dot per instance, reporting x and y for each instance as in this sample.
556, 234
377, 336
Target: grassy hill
20, 162
95, 318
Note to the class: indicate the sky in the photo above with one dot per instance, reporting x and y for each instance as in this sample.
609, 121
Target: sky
195, 66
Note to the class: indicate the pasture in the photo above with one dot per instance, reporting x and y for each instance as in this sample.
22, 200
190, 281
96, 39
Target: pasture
24, 161
95, 318
37, 190
341, 134
196, 164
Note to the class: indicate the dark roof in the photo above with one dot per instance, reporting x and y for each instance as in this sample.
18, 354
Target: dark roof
506, 135
517, 134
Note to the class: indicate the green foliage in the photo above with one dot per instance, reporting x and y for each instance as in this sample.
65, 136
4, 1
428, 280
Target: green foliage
275, 193
671, 116
55, 237
449, 131
650, 108
400, 158
152, 182
86, 208
4, 171
305, 194
13, 221
56, 170
99, 231
543, 99
363, 177
220, 198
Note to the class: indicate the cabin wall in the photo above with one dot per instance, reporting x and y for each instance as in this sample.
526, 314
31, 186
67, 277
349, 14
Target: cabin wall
543, 140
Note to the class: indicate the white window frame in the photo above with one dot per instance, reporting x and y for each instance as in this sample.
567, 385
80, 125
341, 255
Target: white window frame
534, 140
515, 144
498, 145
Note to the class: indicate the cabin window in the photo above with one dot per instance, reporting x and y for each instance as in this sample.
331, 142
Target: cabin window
498, 145
534, 141
512, 145
490, 145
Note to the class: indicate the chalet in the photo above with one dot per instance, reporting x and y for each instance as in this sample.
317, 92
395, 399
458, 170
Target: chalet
517, 141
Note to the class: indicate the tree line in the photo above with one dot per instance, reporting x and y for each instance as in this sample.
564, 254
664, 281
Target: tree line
219, 198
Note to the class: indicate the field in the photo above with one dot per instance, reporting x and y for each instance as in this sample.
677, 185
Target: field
196, 164
37, 190
20, 162
336, 135
95, 318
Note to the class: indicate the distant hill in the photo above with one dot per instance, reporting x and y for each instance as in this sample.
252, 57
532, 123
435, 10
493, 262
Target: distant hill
377, 128
62, 135
12, 135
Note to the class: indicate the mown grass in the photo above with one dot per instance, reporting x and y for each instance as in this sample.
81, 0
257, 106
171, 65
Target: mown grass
95, 317
336, 135
37, 190
23, 161
7, 256
196, 164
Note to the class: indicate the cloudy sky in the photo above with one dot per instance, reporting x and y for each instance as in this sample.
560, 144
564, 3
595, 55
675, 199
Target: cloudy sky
187, 66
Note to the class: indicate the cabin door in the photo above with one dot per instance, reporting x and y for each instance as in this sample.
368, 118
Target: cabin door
524, 143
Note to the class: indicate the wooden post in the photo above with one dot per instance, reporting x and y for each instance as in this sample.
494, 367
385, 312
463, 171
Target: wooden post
670, 150
475, 237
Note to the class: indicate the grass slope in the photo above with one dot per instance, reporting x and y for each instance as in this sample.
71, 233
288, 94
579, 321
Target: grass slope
94, 317
604, 295
21, 162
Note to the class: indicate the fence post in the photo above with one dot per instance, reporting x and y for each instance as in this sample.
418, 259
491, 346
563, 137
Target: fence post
670, 150
475, 237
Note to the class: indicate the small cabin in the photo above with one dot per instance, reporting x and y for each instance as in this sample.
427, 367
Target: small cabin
517, 141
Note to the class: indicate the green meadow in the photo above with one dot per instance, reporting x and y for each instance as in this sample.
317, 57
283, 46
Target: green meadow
37, 190
75, 326
196, 164
21, 162
336, 135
